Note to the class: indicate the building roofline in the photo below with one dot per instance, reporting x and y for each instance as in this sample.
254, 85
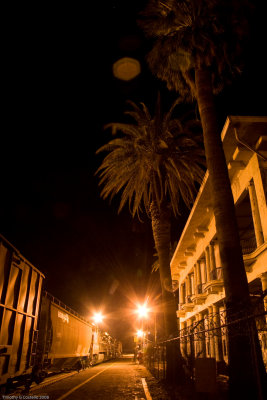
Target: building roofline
244, 125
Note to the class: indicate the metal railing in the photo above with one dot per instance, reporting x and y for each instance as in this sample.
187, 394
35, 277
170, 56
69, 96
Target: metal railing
199, 288
206, 336
55, 300
248, 245
216, 273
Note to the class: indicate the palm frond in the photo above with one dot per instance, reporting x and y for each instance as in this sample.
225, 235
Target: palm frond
155, 159
196, 33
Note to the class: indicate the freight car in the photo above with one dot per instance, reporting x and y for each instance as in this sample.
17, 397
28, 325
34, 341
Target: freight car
67, 340
38, 333
64, 337
20, 292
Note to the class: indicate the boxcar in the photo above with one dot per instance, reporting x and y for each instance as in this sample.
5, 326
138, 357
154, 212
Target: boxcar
64, 336
20, 291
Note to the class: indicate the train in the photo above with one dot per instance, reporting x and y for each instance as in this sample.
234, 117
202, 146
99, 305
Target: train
66, 338
39, 334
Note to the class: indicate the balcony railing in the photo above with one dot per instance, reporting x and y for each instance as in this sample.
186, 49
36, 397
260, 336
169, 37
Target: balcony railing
248, 245
188, 299
216, 273
199, 288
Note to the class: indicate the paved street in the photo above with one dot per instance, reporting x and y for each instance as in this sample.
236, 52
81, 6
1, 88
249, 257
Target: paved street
118, 380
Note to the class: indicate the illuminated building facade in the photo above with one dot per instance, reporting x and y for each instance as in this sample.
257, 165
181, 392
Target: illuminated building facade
196, 264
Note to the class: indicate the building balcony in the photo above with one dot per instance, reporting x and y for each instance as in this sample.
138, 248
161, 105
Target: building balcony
251, 258
188, 305
248, 245
215, 285
180, 313
200, 296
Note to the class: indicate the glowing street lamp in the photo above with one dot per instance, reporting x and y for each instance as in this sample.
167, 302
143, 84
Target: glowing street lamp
142, 311
140, 333
98, 318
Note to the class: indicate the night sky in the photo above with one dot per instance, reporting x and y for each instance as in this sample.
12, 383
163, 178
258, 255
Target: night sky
58, 93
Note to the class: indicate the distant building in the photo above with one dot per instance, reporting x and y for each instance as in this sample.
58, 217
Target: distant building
196, 261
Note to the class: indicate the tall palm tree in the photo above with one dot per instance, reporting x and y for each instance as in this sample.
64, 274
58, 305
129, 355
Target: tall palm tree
197, 49
154, 164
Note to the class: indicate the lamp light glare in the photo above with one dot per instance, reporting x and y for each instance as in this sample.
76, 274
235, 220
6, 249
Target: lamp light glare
98, 318
140, 333
142, 311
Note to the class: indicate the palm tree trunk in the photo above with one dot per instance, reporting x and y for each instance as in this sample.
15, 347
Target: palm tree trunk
161, 228
241, 363
161, 232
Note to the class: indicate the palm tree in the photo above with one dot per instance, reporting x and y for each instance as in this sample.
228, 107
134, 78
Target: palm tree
154, 165
197, 49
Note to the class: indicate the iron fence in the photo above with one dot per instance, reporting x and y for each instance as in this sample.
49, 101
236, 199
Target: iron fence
207, 337
155, 359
